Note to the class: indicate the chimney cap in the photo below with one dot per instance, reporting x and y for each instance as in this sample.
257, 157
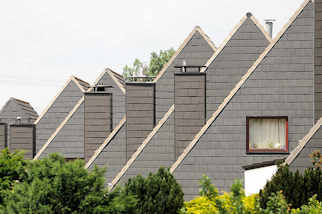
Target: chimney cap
249, 14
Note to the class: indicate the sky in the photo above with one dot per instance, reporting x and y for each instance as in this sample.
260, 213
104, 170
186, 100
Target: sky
44, 42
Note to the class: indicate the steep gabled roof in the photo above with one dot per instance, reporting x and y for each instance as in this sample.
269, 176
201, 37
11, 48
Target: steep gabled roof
236, 89
82, 85
167, 115
25, 108
77, 106
117, 78
142, 146
232, 33
303, 142
185, 42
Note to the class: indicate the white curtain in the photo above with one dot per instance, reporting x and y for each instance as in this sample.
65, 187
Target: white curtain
267, 133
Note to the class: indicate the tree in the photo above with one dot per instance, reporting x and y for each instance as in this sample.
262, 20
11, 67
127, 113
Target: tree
157, 61
53, 185
158, 193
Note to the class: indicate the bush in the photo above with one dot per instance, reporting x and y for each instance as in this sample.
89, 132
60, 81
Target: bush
158, 193
12, 170
297, 188
52, 185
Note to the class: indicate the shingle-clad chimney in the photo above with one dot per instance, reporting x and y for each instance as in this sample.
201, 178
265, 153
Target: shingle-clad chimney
23, 138
3, 135
190, 107
97, 119
140, 114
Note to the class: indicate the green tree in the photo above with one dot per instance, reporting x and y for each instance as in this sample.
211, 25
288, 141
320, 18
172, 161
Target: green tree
158, 193
53, 185
12, 171
157, 61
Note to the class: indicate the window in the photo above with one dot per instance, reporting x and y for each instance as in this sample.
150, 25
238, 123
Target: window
267, 135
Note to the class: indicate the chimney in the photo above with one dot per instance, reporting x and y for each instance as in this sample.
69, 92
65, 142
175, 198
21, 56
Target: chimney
97, 119
3, 135
269, 23
140, 114
22, 137
190, 105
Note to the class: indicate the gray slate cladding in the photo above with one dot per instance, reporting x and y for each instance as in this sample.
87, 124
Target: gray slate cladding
22, 137
194, 122
3, 135
140, 114
98, 121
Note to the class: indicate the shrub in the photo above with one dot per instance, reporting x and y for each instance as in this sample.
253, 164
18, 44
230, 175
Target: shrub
12, 170
158, 193
52, 185
297, 188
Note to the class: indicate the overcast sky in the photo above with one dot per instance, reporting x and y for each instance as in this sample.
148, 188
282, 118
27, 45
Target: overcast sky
44, 42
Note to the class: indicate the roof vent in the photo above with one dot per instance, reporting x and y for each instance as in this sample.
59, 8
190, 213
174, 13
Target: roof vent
269, 26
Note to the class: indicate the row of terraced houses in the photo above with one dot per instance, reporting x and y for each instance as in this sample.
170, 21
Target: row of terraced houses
247, 103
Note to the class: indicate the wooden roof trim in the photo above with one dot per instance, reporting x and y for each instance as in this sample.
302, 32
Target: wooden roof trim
106, 142
142, 146
262, 29
182, 46
111, 73
75, 79
303, 142
236, 88
52, 137
53, 100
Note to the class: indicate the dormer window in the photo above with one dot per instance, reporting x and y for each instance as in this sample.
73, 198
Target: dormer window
267, 135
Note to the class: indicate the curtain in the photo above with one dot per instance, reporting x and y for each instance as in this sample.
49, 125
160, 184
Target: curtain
267, 133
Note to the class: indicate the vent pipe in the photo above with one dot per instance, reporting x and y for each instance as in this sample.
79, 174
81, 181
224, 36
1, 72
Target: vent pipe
269, 26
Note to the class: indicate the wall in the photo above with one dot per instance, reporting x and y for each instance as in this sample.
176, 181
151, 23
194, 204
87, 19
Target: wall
318, 60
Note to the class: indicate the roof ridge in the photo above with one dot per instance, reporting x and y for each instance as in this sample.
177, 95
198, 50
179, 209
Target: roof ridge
185, 42
142, 146
80, 80
120, 85
236, 88
75, 79
302, 143
106, 142
62, 124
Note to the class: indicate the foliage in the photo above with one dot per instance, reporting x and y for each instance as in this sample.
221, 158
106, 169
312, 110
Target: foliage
52, 185
313, 207
207, 188
200, 205
316, 159
158, 193
157, 61
297, 188
12, 170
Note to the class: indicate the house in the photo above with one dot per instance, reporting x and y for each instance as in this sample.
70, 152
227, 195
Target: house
214, 111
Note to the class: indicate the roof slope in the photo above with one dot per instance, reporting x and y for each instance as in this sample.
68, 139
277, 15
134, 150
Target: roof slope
238, 86
248, 26
18, 108
279, 83
68, 133
195, 50
310, 142
196, 38
57, 111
